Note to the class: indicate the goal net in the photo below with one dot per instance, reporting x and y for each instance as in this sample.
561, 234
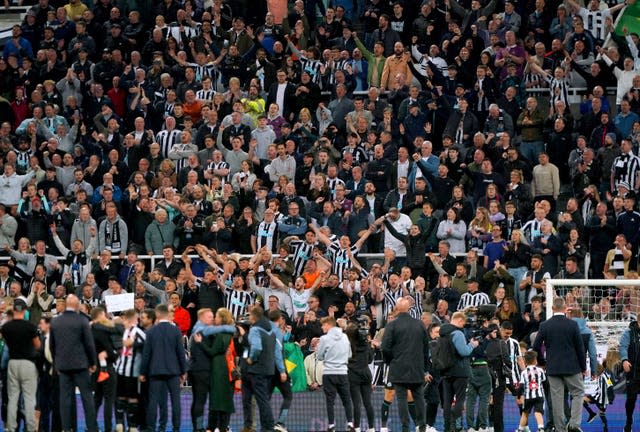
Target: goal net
608, 305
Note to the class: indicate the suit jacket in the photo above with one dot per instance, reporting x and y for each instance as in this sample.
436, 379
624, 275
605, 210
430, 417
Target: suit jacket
563, 346
71, 342
289, 99
163, 353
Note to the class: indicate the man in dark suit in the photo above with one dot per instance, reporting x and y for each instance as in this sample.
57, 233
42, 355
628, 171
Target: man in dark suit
74, 357
283, 93
404, 346
164, 365
566, 362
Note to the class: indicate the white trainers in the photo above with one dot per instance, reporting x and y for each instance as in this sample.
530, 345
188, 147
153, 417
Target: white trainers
279, 427
119, 427
384, 429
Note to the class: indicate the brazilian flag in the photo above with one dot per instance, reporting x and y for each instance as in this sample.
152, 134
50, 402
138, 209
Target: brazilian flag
630, 19
294, 363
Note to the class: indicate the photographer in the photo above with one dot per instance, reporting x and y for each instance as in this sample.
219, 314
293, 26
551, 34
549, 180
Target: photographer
359, 373
454, 379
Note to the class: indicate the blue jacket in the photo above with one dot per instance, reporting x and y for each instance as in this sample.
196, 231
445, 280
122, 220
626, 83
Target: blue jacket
591, 348
163, 353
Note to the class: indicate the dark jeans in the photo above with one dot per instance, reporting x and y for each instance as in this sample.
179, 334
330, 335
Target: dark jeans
258, 386
159, 386
200, 390
337, 384
417, 390
633, 388
69, 380
453, 387
361, 395
287, 396
106, 391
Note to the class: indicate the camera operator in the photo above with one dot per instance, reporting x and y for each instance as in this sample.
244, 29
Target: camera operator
454, 379
500, 367
360, 377
479, 385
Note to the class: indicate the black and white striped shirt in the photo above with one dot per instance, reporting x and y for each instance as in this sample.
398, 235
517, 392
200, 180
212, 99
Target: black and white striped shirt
558, 89
604, 382
594, 21
472, 300
205, 95
166, 140
237, 301
531, 381
267, 235
302, 252
128, 363
333, 183
625, 168
390, 299
218, 166
514, 354
340, 259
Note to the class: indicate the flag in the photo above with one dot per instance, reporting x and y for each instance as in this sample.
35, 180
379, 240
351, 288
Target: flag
630, 18
294, 363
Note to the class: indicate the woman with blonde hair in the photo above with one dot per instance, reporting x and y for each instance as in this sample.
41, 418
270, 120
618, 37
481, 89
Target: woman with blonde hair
479, 232
221, 390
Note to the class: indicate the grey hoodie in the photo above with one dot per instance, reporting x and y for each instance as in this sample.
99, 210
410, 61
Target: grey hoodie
334, 350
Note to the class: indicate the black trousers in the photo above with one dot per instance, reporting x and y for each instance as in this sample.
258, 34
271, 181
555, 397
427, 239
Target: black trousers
497, 407
258, 386
200, 390
361, 394
453, 387
417, 390
337, 385
105, 391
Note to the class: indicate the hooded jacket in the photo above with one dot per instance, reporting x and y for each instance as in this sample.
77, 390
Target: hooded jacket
334, 350
462, 367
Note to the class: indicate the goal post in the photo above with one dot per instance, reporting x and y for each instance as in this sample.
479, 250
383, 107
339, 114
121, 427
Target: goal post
608, 305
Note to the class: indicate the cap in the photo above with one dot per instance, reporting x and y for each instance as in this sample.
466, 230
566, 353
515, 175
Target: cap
83, 49
19, 305
106, 50
285, 125
393, 210
116, 25
35, 199
31, 13
414, 104
472, 279
459, 85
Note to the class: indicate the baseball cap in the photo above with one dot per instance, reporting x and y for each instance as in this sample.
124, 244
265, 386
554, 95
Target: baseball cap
19, 305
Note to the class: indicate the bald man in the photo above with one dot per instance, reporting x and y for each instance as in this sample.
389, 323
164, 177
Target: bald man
74, 357
403, 346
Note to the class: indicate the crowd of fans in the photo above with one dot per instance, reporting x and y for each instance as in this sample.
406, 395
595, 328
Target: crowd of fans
277, 141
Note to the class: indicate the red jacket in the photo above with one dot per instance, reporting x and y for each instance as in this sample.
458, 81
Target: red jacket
182, 319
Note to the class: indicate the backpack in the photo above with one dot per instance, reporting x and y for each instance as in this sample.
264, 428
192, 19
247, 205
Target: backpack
443, 353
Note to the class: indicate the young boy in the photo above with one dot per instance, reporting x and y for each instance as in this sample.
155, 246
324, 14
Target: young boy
531, 381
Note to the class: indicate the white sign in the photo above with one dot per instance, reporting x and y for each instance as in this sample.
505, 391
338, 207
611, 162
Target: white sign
119, 302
